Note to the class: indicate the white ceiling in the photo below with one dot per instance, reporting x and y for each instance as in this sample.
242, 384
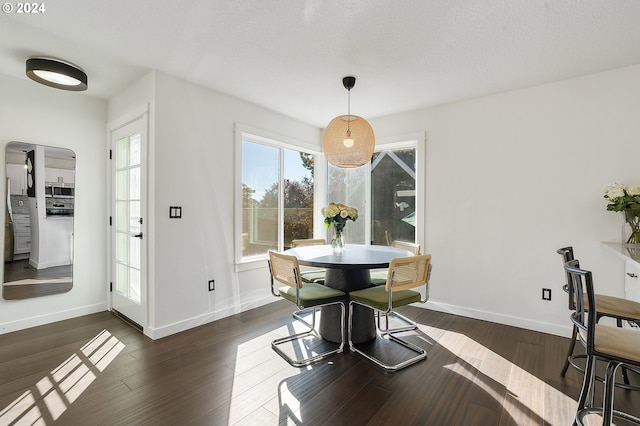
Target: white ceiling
290, 55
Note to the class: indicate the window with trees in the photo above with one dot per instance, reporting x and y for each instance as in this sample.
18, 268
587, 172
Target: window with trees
277, 196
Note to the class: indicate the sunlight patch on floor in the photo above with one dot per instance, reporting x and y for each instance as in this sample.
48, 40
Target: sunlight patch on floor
517, 382
54, 393
254, 387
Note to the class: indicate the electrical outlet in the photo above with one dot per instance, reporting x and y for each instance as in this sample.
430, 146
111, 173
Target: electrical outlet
212, 285
546, 294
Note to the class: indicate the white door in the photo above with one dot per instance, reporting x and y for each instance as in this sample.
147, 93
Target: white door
128, 239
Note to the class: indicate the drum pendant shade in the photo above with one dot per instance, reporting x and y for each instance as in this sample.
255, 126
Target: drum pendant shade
348, 140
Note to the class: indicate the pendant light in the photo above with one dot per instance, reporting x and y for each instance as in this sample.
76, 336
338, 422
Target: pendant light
56, 73
348, 140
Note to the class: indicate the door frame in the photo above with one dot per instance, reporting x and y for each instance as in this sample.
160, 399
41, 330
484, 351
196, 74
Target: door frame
142, 113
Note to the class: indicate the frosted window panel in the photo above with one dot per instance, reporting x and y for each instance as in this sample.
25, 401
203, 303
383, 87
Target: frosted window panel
348, 186
134, 150
134, 285
122, 279
121, 185
122, 217
121, 153
134, 217
134, 183
121, 247
134, 253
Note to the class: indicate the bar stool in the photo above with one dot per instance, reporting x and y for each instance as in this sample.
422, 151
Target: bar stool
607, 306
615, 346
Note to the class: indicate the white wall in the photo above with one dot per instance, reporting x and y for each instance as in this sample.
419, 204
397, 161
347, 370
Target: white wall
41, 115
514, 176
191, 164
510, 178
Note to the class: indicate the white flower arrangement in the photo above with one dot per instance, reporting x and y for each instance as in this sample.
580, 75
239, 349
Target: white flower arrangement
337, 214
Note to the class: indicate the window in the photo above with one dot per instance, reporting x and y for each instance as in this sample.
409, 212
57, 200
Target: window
277, 192
350, 187
385, 194
393, 196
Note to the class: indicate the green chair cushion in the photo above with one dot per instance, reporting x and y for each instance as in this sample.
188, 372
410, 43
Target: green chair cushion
312, 294
313, 276
379, 276
378, 298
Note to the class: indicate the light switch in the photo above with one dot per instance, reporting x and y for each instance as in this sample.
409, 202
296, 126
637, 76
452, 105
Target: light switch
175, 212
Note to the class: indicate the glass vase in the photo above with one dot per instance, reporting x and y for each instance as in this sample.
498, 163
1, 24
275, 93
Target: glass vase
631, 226
337, 242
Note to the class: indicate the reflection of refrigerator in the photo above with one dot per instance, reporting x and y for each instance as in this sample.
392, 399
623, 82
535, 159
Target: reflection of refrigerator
8, 226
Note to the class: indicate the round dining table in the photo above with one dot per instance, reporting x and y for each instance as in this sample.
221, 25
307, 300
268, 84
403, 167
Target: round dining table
347, 270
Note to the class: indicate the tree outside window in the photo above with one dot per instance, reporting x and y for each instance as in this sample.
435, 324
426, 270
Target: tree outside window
262, 187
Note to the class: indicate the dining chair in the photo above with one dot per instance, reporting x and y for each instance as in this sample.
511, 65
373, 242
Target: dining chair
607, 306
379, 277
307, 297
614, 345
405, 274
310, 274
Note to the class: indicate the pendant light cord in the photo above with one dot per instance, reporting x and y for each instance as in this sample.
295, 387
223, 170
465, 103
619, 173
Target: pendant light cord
349, 114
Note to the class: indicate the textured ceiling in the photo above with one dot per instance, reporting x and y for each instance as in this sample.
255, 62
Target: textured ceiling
290, 55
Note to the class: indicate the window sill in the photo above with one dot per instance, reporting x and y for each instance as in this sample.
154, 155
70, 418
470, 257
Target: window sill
255, 263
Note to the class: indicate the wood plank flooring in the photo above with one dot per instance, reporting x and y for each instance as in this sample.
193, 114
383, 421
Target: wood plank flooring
97, 370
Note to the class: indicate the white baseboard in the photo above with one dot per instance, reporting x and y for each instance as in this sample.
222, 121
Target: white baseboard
160, 332
21, 324
543, 327
177, 327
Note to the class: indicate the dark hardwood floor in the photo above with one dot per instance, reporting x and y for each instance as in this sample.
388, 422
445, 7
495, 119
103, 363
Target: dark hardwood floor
97, 370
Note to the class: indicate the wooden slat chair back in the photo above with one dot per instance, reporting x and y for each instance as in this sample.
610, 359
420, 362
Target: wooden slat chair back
310, 274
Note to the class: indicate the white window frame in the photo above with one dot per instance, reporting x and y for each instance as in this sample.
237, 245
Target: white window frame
250, 134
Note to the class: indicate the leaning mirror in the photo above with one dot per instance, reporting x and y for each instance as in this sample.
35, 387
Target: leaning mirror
38, 232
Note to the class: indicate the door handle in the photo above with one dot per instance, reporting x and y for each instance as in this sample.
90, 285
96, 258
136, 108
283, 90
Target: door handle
632, 275
138, 235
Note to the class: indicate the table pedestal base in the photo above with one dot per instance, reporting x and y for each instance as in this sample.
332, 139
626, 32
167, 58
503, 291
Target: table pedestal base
364, 326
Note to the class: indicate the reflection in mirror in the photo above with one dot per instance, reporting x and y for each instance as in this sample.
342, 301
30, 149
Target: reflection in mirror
38, 232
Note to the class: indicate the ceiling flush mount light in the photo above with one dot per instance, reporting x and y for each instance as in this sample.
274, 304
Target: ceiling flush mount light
56, 73
348, 140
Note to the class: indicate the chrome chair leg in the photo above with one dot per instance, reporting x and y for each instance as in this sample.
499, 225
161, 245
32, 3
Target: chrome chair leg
421, 353
311, 311
310, 332
411, 325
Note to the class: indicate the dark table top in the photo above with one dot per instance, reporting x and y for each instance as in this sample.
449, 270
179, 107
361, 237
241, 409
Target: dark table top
353, 256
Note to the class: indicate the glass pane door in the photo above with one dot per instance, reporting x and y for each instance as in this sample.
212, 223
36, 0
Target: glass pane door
128, 274
127, 218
